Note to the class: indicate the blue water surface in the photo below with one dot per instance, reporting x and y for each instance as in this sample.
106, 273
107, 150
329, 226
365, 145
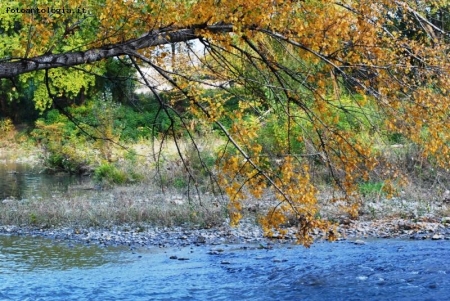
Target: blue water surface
40, 269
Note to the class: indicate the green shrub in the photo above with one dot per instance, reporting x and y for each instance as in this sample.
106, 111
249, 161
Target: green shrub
109, 173
371, 188
275, 139
179, 183
7, 132
62, 149
6, 125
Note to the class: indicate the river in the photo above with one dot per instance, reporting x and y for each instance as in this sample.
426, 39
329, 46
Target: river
23, 181
34, 268
41, 269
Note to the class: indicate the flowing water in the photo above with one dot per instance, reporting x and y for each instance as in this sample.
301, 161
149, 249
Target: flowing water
40, 269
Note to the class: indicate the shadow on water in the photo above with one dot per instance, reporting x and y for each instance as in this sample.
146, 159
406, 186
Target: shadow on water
21, 181
34, 254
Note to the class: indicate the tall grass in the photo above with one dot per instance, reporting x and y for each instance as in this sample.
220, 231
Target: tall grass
138, 204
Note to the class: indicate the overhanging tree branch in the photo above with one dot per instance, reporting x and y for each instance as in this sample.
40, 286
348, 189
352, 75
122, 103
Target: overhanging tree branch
153, 38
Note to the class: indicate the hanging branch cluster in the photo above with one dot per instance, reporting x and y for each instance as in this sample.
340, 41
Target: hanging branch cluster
327, 70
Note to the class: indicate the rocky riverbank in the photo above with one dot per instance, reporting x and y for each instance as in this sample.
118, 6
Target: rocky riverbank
426, 215
246, 232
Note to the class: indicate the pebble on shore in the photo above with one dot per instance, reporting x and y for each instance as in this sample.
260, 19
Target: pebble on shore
246, 232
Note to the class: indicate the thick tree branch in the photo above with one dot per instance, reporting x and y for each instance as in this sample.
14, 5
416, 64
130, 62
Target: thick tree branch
153, 38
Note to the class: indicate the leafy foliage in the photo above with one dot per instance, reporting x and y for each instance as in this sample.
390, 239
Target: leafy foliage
63, 147
6, 126
110, 173
310, 81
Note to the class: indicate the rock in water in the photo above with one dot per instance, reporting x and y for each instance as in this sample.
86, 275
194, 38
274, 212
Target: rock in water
437, 237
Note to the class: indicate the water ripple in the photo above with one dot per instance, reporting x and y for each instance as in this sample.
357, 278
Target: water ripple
38, 269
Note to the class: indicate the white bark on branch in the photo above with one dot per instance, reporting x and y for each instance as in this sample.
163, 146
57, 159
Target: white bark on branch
18, 66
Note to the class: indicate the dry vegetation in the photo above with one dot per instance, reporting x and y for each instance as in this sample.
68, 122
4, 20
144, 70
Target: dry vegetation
118, 206
166, 198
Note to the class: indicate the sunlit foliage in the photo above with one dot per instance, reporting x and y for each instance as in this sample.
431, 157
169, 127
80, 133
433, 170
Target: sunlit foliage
341, 75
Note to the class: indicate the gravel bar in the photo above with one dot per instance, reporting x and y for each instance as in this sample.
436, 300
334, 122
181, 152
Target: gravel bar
246, 232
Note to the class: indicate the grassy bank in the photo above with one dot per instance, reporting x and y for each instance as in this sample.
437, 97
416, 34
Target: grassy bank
146, 183
136, 204
143, 183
